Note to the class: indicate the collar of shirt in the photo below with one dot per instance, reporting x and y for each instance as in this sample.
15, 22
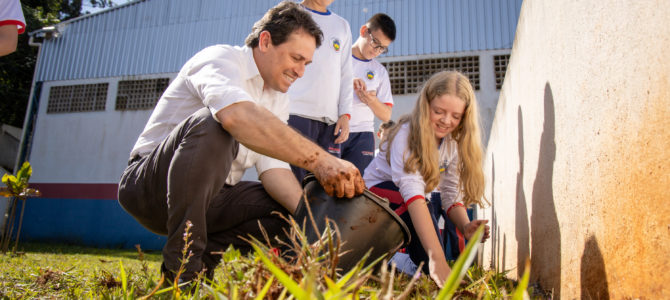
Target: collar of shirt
253, 74
251, 67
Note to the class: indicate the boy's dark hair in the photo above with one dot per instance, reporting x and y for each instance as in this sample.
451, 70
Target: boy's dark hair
383, 22
281, 21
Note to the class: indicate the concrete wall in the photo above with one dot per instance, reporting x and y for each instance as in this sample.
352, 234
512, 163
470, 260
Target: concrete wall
85, 147
577, 162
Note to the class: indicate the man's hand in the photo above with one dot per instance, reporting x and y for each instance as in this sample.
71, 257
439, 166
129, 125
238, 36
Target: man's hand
342, 127
470, 228
338, 177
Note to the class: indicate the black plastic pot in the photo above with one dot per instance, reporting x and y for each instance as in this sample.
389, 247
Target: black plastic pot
365, 222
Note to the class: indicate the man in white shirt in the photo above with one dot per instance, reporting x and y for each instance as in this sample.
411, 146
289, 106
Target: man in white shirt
372, 89
185, 169
321, 102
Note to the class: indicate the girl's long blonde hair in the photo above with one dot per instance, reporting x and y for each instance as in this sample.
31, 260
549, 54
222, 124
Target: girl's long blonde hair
421, 140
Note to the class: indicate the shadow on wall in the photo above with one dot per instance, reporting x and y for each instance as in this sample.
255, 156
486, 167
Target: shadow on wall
521, 228
495, 229
545, 230
593, 275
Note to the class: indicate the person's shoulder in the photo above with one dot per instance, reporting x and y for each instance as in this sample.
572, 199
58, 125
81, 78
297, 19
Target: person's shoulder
404, 130
221, 51
344, 23
378, 65
222, 48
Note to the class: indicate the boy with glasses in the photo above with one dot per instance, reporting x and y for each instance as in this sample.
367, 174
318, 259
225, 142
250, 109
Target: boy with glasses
372, 89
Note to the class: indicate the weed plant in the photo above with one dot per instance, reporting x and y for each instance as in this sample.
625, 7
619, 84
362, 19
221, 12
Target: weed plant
304, 271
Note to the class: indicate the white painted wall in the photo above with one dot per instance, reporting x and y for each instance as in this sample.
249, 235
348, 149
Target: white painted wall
577, 162
85, 147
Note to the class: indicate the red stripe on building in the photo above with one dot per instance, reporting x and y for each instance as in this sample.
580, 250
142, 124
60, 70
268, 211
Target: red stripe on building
105, 191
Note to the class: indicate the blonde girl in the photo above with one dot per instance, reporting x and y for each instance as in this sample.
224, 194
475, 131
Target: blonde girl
437, 145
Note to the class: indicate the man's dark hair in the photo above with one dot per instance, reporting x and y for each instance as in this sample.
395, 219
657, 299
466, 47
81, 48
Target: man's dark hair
281, 21
383, 22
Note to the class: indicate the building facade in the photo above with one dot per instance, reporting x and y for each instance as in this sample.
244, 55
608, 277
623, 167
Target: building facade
98, 78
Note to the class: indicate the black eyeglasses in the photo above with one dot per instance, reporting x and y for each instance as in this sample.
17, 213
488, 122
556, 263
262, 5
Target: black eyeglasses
377, 45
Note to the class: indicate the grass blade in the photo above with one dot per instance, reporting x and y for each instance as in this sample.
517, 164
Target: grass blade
282, 277
124, 280
460, 266
265, 289
520, 291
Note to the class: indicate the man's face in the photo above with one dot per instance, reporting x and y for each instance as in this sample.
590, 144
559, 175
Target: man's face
286, 62
375, 44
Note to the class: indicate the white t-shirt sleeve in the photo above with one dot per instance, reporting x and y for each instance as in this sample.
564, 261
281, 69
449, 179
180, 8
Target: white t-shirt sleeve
346, 83
11, 14
384, 91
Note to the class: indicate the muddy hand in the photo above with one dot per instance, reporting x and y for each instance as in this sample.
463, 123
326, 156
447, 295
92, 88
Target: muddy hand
339, 178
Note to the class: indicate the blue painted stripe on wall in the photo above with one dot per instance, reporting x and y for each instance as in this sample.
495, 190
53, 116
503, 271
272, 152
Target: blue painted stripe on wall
89, 222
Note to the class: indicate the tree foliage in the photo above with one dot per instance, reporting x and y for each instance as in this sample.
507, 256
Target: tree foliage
16, 69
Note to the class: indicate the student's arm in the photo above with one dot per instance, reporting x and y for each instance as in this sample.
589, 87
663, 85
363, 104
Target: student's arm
459, 216
346, 93
342, 128
283, 187
381, 110
261, 131
412, 188
9, 36
452, 203
423, 224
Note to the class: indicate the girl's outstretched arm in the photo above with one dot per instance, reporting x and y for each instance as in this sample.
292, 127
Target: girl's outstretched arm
423, 224
459, 216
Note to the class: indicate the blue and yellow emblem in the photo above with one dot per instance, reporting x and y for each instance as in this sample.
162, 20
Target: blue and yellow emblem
444, 166
370, 75
336, 44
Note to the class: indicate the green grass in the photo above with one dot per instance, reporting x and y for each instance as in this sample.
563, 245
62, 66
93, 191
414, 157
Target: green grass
62, 271
75, 272
66, 271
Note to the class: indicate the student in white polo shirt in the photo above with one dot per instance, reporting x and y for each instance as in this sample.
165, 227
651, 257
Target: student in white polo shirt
437, 145
372, 89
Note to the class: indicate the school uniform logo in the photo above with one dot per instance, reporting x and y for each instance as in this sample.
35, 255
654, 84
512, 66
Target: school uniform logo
444, 166
336, 44
370, 75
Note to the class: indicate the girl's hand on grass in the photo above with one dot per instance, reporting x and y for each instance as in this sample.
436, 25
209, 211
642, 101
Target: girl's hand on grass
439, 271
471, 227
